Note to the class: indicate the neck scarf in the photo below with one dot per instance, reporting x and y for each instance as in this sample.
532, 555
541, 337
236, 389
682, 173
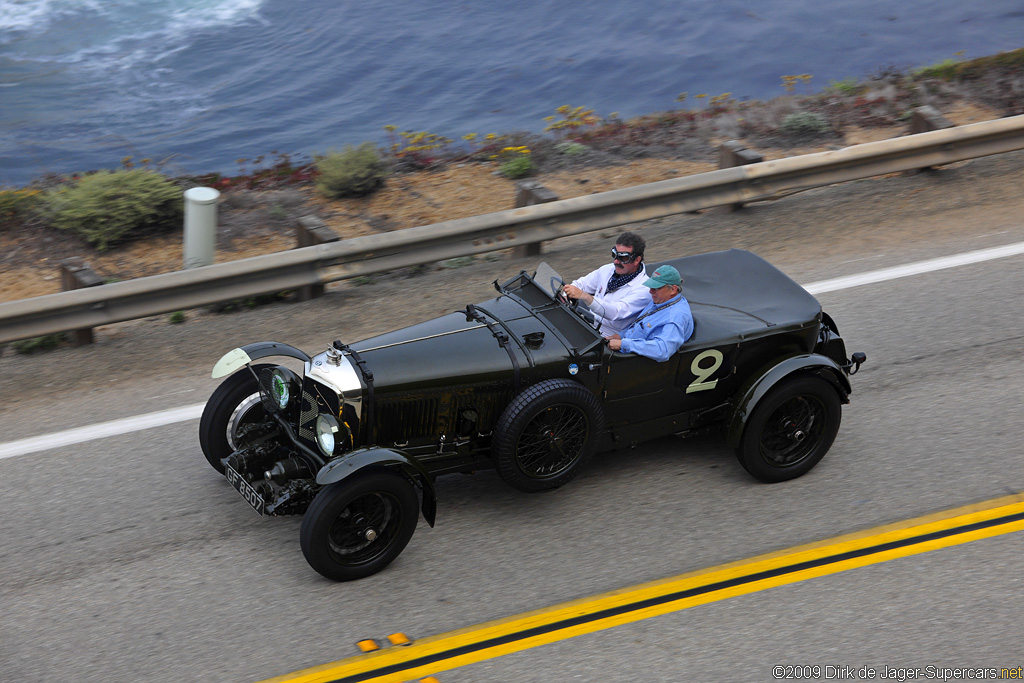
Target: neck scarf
616, 281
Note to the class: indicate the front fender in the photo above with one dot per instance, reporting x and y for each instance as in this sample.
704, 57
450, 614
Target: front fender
771, 375
360, 459
236, 359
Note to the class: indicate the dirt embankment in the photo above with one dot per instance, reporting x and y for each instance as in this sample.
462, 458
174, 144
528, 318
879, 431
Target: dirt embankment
252, 223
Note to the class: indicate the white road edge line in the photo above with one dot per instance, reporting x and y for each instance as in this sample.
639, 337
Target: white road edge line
99, 431
162, 418
931, 265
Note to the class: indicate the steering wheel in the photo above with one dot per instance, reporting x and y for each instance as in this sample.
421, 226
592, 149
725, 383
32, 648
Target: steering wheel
580, 308
558, 288
577, 306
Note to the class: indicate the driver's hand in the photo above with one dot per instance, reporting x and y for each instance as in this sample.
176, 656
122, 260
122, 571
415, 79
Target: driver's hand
577, 293
615, 342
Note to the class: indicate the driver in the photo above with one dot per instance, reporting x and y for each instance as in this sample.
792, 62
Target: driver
615, 291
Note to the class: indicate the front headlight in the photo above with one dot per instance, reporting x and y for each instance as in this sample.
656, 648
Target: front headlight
326, 428
279, 386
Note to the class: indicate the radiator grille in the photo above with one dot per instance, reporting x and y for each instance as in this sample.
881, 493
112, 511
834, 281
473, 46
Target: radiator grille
426, 418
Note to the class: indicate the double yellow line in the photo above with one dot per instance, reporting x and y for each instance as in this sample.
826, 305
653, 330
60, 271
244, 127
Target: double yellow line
486, 641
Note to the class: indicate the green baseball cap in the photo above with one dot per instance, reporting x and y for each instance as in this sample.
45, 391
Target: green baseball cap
664, 275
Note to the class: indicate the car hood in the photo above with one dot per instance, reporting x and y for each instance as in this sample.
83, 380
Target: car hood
457, 349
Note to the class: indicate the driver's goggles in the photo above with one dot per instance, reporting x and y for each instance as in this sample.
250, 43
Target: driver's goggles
622, 256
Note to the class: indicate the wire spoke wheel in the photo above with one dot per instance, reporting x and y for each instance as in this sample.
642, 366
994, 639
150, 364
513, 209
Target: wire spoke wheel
359, 525
790, 429
547, 434
552, 441
793, 431
365, 528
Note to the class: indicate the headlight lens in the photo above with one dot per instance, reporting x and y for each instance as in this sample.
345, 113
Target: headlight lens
326, 428
279, 386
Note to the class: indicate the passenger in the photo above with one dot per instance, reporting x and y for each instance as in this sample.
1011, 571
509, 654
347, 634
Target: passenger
664, 325
614, 291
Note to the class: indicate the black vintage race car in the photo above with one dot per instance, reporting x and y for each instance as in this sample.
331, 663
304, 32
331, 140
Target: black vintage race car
524, 384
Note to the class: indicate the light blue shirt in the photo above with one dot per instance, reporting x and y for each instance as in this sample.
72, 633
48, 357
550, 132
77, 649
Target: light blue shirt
660, 329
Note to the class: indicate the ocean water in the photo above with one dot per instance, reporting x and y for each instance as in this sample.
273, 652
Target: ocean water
199, 84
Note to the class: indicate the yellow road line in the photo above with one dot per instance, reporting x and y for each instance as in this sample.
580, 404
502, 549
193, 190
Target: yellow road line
587, 615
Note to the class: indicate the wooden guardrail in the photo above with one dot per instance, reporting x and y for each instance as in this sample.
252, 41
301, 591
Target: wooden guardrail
328, 262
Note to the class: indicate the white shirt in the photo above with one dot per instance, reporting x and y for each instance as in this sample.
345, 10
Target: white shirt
615, 311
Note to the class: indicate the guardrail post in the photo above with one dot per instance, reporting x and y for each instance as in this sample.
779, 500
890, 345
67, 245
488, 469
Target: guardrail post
76, 274
732, 153
528, 193
924, 119
309, 231
928, 118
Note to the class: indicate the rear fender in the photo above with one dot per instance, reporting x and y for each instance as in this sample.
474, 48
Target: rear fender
771, 375
236, 359
363, 458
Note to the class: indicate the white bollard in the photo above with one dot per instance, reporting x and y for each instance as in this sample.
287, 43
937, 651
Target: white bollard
200, 226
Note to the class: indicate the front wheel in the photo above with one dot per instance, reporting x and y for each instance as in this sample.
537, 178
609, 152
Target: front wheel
356, 527
233, 406
790, 429
547, 435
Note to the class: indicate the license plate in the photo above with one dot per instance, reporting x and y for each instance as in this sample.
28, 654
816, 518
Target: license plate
252, 497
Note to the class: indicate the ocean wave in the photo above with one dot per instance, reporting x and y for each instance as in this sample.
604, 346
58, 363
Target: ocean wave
91, 31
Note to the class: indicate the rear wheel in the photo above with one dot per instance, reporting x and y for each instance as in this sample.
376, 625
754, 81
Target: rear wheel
358, 526
547, 434
790, 429
233, 405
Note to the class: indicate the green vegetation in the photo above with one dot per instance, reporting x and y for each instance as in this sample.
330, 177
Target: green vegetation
39, 344
804, 123
951, 70
572, 119
515, 162
108, 207
354, 172
846, 87
16, 205
177, 318
571, 149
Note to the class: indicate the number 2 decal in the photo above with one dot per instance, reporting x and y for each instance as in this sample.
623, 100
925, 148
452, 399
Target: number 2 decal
703, 383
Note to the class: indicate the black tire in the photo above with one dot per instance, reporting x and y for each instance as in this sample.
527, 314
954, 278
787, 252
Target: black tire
337, 527
547, 435
219, 424
791, 429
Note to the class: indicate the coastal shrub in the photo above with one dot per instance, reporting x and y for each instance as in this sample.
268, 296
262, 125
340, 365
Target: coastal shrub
847, 87
804, 123
571, 149
17, 204
514, 162
517, 167
572, 120
107, 207
354, 172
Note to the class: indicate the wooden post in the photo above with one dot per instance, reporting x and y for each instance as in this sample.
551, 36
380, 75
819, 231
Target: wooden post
928, 118
310, 231
76, 274
528, 193
730, 154
924, 119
